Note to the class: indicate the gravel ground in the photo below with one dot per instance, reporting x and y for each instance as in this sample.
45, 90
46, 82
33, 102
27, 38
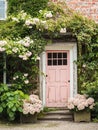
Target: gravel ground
51, 125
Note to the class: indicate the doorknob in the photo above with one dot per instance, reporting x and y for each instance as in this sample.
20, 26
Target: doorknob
69, 81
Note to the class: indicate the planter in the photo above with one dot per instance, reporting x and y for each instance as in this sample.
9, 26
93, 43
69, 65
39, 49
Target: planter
28, 118
82, 116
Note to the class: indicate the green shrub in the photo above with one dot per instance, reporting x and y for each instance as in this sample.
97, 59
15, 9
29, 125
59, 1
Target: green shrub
30, 6
10, 102
92, 91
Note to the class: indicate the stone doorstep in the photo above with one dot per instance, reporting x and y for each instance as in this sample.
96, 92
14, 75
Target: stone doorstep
59, 114
57, 117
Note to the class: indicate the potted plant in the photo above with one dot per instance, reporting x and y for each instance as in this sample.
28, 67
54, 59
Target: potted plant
81, 105
31, 107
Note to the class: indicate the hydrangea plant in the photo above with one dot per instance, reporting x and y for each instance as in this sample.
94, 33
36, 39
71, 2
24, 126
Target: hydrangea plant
80, 102
32, 105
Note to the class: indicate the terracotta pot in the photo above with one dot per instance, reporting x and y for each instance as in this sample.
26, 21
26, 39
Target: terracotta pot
82, 116
28, 118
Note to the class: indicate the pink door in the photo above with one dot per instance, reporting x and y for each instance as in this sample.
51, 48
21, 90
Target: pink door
57, 78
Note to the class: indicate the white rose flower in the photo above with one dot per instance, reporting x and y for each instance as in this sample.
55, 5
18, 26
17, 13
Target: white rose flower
31, 41
15, 19
20, 56
26, 74
28, 54
48, 14
35, 21
2, 49
28, 22
43, 22
27, 38
26, 81
2, 43
40, 11
26, 44
63, 30
14, 78
15, 50
38, 58
17, 77
25, 58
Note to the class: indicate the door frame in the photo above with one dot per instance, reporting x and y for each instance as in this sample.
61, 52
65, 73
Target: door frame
72, 48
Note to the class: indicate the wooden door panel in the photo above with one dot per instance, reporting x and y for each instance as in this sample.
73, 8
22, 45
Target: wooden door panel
58, 74
64, 74
51, 94
49, 77
64, 93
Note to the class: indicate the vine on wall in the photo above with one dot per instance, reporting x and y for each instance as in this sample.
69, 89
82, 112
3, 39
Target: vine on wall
51, 18
22, 39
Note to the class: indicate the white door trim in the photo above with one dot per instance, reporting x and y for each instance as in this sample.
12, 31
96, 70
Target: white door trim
72, 47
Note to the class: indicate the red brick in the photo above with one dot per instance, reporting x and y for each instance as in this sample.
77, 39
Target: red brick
88, 8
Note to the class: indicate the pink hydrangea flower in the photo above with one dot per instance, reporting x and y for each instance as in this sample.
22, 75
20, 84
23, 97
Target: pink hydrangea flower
80, 102
33, 105
90, 101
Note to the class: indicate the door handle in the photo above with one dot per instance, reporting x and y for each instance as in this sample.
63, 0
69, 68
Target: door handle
69, 81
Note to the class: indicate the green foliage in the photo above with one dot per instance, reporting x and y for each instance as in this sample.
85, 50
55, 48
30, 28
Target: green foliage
95, 120
92, 90
21, 82
83, 28
31, 6
88, 67
3, 88
10, 102
13, 30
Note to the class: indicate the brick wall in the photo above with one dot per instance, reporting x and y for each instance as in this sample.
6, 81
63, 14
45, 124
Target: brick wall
88, 8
